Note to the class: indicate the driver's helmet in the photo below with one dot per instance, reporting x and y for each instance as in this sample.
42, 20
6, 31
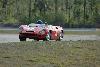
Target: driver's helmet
39, 22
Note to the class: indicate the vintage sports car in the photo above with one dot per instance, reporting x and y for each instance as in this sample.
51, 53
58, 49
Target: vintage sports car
40, 32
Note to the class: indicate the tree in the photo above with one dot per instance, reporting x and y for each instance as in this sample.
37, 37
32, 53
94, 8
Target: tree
69, 8
56, 5
77, 12
84, 10
56, 10
66, 5
41, 4
4, 2
68, 13
29, 9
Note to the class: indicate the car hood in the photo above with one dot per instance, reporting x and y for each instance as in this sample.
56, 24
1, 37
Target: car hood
32, 29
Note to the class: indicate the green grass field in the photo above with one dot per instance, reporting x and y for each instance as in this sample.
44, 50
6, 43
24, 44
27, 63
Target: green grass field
97, 33
9, 31
50, 54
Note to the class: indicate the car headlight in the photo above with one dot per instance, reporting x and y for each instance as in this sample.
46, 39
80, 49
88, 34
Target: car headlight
20, 29
42, 32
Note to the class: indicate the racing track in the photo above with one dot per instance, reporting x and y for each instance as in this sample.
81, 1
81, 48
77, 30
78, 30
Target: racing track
5, 38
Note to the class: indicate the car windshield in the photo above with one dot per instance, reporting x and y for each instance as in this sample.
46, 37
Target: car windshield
38, 25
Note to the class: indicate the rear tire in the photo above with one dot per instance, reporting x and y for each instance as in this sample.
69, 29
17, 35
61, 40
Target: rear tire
61, 36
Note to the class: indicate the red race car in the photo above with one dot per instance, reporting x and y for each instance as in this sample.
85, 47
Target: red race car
40, 32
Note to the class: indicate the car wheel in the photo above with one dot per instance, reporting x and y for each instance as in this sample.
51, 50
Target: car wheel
22, 38
48, 36
61, 36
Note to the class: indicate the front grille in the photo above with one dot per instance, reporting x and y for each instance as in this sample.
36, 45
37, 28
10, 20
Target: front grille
29, 31
27, 34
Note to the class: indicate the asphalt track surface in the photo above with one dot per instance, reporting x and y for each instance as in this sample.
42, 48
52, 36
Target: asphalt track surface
5, 38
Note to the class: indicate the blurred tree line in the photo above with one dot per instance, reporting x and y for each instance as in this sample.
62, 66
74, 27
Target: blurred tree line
66, 13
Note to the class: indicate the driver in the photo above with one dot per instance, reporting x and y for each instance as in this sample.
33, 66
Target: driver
39, 22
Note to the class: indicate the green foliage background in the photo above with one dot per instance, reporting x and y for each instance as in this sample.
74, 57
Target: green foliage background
66, 13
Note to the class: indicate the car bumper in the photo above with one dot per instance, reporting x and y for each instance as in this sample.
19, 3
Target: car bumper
32, 36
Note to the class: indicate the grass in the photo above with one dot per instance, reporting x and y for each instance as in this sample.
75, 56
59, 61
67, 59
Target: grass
97, 33
50, 54
9, 31
67, 33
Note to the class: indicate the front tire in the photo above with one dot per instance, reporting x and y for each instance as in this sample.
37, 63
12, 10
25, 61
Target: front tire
47, 38
22, 38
